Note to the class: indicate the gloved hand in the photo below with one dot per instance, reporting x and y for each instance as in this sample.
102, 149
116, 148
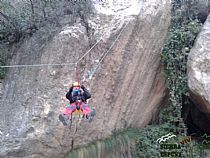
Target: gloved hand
82, 86
71, 88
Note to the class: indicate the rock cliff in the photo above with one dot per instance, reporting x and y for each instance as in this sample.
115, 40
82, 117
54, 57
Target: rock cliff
127, 89
199, 76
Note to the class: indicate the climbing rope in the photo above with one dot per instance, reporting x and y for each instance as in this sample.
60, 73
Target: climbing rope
105, 54
68, 64
36, 65
76, 73
88, 51
76, 63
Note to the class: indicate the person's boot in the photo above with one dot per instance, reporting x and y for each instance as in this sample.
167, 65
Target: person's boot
90, 116
93, 112
64, 119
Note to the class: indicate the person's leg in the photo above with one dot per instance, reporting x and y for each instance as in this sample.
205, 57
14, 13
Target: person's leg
88, 113
68, 111
85, 109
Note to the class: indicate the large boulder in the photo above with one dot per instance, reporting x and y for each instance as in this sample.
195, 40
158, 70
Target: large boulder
198, 68
127, 89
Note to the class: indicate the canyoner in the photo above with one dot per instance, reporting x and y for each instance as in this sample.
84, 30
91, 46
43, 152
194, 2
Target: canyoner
78, 97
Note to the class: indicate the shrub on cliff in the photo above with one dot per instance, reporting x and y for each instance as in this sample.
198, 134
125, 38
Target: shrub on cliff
25, 17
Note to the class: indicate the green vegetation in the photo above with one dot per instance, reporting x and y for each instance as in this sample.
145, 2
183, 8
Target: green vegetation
21, 19
185, 26
25, 17
3, 59
119, 145
180, 40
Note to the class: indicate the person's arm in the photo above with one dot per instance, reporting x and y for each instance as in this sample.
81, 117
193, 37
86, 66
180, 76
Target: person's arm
68, 94
86, 93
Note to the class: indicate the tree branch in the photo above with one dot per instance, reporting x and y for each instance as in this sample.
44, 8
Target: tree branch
9, 20
32, 9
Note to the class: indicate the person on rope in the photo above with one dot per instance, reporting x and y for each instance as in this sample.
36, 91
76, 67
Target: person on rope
75, 93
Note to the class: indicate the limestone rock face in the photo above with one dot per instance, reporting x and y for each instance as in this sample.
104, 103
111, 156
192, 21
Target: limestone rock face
199, 70
127, 88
